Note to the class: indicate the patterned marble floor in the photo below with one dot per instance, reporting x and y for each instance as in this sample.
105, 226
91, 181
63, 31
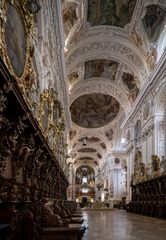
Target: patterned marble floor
119, 225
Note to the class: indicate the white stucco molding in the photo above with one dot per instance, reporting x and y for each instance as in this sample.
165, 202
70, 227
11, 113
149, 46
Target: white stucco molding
99, 86
102, 47
150, 89
95, 145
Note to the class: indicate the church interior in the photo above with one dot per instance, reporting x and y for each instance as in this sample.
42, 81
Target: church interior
82, 119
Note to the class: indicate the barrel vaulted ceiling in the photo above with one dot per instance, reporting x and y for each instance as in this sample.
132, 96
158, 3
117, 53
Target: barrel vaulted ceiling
110, 50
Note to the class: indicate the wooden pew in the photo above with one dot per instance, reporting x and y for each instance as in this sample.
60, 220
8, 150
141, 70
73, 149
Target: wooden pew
72, 232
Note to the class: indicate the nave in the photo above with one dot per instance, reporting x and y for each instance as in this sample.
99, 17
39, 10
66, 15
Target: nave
119, 225
82, 119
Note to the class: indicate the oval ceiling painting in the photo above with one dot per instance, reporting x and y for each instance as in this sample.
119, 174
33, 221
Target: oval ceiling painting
94, 110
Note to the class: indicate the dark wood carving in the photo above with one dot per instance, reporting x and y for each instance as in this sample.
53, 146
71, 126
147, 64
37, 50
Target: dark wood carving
29, 172
149, 198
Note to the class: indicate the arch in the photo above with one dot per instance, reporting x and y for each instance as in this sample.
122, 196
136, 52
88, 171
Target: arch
89, 135
84, 171
114, 49
95, 146
85, 155
103, 87
77, 165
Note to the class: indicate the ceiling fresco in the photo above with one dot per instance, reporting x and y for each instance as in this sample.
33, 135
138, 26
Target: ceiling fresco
69, 17
72, 134
85, 158
131, 83
109, 134
101, 68
154, 21
103, 145
94, 110
73, 77
110, 12
85, 170
99, 155
89, 139
117, 160
96, 163
105, 33
89, 150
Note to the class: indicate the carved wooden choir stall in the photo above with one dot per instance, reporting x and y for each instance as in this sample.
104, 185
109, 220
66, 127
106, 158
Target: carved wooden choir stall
30, 176
149, 190
33, 153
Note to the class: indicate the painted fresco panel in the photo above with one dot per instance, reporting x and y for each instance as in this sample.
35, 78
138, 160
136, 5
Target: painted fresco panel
131, 84
154, 21
101, 68
110, 12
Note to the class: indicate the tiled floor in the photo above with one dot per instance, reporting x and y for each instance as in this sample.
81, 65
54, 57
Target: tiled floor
119, 225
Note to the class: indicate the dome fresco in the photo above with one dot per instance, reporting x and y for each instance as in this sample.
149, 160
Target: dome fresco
94, 110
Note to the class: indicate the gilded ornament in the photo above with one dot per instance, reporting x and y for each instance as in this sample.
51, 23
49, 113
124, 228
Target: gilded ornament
17, 23
155, 165
51, 120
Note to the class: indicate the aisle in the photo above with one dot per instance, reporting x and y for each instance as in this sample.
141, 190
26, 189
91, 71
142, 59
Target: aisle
119, 225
